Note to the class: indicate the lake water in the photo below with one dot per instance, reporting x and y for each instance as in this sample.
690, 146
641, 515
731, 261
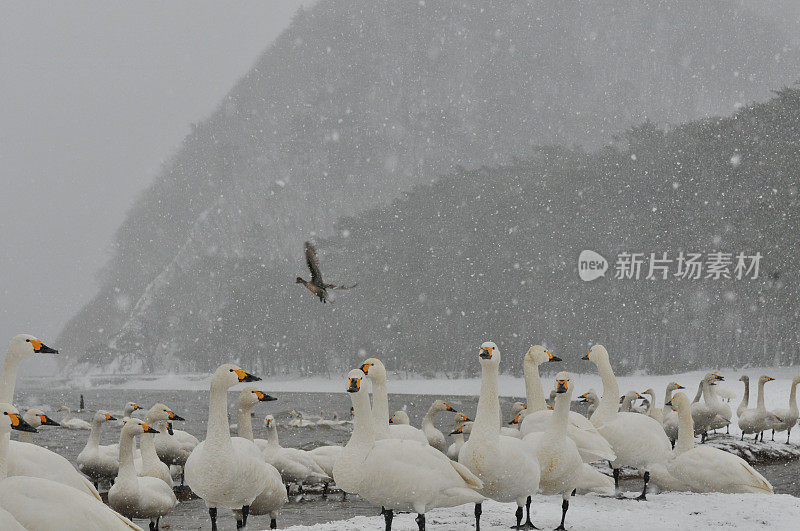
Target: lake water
191, 513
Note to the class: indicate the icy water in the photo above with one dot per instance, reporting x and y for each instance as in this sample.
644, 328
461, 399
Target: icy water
191, 513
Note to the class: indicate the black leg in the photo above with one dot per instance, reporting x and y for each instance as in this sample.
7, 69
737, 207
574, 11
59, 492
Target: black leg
564, 508
421, 522
643, 495
742, 439
387, 517
773, 435
181, 476
96, 486
158, 521
325, 491
152, 525
728, 429
478, 517
617, 492
239, 524
212, 512
245, 513
788, 434
518, 514
762, 436
344, 496
273, 524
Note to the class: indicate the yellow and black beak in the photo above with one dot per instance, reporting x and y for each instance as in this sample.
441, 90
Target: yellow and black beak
586, 357
355, 385
173, 416
19, 424
486, 353
457, 430
268, 423
246, 377
148, 429
561, 386
464, 418
110, 417
136, 406
448, 407
770, 378
391, 419
365, 368
550, 357
515, 420
41, 348
718, 377
47, 421
679, 386
264, 397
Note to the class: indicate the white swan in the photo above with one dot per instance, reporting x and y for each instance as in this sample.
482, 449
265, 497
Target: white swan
626, 404
271, 498
756, 420
400, 417
670, 417
591, 444
723, 416
506, 465
295, 466
137, 496
458, 439
637, 440
563, 470
375, 370
157, 416
36, 418
787, 417
73, 424
226, 471
99, 462
325, 457
653, 410
127, 412
35, 504
298, 421
29, 459
174, 446
702, 413
396, 474
745, 397
432, 433
708, 469
590, 397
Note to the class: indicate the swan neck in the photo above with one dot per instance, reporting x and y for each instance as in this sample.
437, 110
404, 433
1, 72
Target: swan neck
487, 417
126, 468
609, 404
272, 436
380, 408
793, 398
148, 447
685, 440
533, 387
94, 435
363, 425
244, 426
429, 416
761, 395
26, 437
561, 414
8, 377
699, 393
67, 416
5, 437
746, 396
218, 430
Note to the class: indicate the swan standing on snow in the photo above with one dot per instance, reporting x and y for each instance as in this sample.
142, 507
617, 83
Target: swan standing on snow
591, 445
158, 417
708, 469
226, 471
36, 418
397, 474
73, 424
507, 466
374, 369
295, 466
670, 417
99, 462
702, 413
590, 397
134, 496
434, 436
34, 503
786, 417
30, 459
637, 440
723, 415
756, 420
563, 470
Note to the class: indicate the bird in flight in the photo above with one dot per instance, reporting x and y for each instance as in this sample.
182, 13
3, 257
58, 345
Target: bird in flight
316, 285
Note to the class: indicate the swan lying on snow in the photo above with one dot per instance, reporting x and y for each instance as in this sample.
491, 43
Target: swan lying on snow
36, 418
397, 474
34, 503
637, 440
73, 424
507, 466
704, 468
374, 369
136, 496
562, 469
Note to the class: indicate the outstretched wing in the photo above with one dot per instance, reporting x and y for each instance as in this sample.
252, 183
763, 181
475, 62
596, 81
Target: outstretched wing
313, 264
332, 286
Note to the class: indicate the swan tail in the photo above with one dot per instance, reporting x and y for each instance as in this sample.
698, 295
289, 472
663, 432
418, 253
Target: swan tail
592, 480
759, 483
471, 479
461, 495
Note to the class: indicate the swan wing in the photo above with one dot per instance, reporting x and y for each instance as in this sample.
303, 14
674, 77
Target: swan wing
26, 459
404, 431
708, 469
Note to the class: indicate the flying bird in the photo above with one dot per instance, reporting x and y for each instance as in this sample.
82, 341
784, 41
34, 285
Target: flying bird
316, 285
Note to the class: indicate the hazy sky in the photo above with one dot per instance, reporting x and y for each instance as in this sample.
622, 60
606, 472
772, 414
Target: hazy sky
93, 97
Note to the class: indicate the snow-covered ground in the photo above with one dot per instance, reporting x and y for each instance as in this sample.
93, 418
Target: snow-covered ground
667, 511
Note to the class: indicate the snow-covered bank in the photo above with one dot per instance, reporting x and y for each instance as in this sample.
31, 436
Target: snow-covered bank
668, 511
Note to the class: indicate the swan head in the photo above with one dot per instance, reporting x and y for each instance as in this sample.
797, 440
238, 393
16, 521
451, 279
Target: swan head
24, 345
37, 417
744, 378
441, 405
650, 392
538, 355
161, 413
517, 419
710, 378
374, 368
228, 375
464, 429
489, 352
764, 379
354, 380
11, 419
134, 426
103, 416
400, 417
518, 406
597, 354
718, 376
460, 418
269, 422
673, 386
564, 383
250, 396
679, 402
589, 396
